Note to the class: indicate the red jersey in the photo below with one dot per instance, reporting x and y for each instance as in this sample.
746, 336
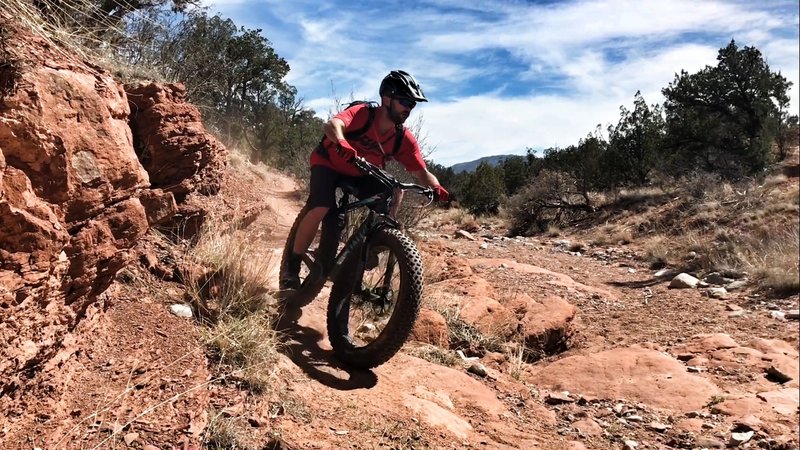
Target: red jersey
370, 146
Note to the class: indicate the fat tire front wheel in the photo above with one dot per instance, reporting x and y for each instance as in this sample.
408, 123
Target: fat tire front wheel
362, 300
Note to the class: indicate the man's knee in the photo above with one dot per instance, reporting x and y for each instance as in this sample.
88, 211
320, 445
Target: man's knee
317, 213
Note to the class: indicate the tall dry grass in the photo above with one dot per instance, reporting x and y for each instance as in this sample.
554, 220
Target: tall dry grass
773, 259
82, 29
232, 295
77, 25
703, 224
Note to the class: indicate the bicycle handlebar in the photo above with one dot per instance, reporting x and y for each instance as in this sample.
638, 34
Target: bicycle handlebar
388, 180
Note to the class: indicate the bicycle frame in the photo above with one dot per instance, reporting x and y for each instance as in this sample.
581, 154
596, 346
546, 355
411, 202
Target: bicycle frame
374, 220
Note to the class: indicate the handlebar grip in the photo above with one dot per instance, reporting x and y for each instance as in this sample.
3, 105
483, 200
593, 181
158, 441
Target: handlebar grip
362, 164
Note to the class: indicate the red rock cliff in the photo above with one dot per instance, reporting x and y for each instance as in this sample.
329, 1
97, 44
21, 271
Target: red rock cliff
74, 195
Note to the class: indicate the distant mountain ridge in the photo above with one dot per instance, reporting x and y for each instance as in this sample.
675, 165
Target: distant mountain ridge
470, 166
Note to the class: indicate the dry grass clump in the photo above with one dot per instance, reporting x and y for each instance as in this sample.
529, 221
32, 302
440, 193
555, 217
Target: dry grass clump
232, 296
642, 195
517, 361
457, 217
658, 252
246, 349
78, 25
773, 259
553, 231
774, 181
225, 432
435, 354
612, 234
236, 273
466, 337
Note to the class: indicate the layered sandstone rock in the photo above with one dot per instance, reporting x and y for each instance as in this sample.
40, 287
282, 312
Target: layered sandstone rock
74, 197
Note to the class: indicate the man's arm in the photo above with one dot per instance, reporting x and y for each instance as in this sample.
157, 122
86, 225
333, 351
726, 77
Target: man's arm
334, 129
426, 178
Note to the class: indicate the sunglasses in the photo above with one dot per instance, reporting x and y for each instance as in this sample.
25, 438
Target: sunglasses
406, 102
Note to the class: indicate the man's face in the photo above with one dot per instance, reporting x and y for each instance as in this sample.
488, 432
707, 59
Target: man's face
400, 108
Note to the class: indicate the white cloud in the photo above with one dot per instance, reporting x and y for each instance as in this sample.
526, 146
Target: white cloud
481, 126
507, 75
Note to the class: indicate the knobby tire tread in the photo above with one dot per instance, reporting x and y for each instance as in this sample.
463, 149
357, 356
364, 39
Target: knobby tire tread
406, 309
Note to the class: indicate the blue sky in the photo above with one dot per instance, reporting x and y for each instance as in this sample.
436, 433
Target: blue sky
505, 75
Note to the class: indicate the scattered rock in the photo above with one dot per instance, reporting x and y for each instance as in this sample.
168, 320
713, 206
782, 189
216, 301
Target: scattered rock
684, 281
719, 292
749, 423
130, 438
658, 426
256, 422
793, 314
664, 273
738, 439
704, 442
717, 279
181, 310
478, 369
630, 445
558, 398
461, 234
779, 315
779, 374
464, 357
736, 285
588, 427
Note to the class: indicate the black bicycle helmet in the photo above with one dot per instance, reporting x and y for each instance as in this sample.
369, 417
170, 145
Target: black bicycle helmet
401, 83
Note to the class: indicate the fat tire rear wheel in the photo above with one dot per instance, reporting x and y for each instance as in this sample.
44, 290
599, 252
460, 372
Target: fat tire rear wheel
406, 302
324, 256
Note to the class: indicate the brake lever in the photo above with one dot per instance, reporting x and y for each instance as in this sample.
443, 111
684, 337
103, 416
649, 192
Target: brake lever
427, 193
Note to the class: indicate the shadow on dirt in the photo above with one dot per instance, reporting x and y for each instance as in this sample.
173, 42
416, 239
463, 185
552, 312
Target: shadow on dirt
636, 284
301, 345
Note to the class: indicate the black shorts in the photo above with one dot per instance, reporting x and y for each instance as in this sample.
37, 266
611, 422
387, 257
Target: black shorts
324, 180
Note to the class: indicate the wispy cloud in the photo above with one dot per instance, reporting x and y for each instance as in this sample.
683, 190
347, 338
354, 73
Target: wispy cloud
507, 75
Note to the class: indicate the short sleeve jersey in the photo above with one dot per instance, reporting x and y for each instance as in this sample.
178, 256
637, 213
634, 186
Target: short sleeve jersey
371, 146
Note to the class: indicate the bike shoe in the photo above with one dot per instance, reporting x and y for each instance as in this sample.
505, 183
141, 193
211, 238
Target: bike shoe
288, 281
290, 277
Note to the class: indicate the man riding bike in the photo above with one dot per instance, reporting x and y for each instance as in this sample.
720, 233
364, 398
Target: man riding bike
375, 133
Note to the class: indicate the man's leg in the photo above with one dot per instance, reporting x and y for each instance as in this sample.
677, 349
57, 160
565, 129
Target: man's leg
303, 237
307, 229
321, 198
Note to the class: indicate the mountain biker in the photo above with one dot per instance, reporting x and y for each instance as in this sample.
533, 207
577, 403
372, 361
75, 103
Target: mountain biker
331, 161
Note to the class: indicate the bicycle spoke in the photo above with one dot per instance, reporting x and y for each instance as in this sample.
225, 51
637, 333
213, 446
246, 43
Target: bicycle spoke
372, 302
